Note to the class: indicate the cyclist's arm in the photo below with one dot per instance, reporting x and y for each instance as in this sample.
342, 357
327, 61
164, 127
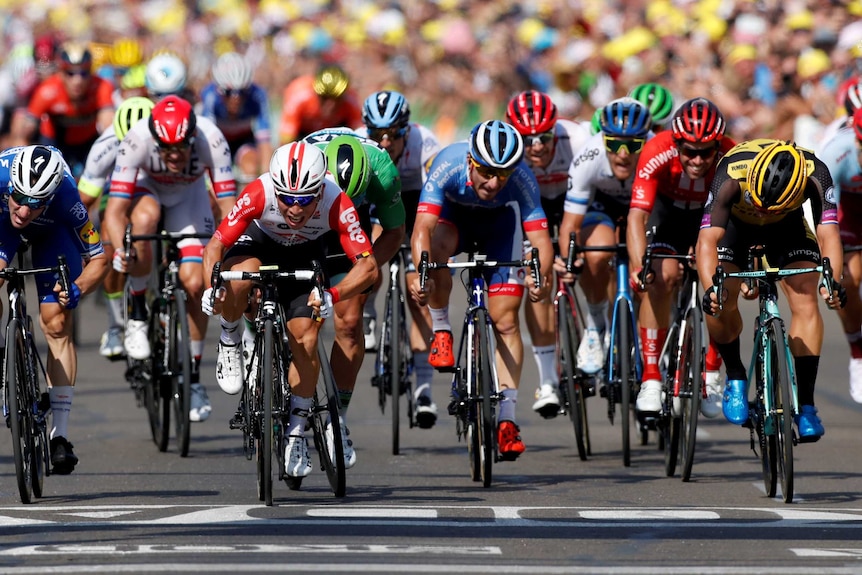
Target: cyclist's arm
248, 206
571, 223
95, 270
213, 253
541, 239
636, 237
707, 254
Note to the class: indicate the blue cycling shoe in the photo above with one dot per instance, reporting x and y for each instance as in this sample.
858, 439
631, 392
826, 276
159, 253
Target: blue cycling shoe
734, 404
809, 425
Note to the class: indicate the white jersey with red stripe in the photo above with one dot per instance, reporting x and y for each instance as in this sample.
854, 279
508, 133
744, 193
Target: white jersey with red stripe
554, 178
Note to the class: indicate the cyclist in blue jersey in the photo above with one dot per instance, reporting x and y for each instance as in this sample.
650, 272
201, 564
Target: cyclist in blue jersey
482, 194
240, 109
40, 203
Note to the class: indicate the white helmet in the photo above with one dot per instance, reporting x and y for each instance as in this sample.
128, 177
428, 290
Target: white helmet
297, 168
232, 72
37, 171
166, 74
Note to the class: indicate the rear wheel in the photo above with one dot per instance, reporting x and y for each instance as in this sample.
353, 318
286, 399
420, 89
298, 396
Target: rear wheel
568, 349
693, 376
181, 371
782, 403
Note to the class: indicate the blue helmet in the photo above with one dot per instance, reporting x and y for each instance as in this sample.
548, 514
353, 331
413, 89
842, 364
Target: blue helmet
386, 109
496, 144
625, 118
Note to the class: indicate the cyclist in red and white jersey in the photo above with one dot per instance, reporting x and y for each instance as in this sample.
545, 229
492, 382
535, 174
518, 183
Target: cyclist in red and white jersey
173, 154
550, 145
669, 191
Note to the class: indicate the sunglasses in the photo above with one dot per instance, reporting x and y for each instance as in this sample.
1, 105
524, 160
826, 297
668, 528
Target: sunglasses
174, 148
544, 138
488, 172
81, 73
631, 145
301, 200
231, 92
704, 153
392, 134
32, 203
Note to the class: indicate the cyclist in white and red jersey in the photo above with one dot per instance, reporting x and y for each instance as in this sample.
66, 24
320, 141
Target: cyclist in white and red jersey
669, 191
172, 154
280, 218
851, 98
550, 145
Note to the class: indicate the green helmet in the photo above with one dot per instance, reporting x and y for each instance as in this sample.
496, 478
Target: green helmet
348, 162
596, 122
129, 112
655, 97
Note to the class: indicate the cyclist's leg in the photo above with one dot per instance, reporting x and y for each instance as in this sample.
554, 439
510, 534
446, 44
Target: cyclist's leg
444, 244
111, 343
597, 230
369, 311
144, 217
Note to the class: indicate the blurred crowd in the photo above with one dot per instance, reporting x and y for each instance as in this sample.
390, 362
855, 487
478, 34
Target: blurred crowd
775, 69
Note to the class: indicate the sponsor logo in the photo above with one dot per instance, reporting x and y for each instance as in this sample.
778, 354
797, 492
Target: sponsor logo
78, 211
354, 227
656, 162
587, 156
239, 208
89, 235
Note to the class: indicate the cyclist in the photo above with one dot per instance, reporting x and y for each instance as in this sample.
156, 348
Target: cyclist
670, 187
481, 193
40, 203
125, 54
550, 145
166, 75
318, 101
658, 100
364, 172
93, 181
851, 98
160, 172
596, 203
841, 155
756, 198
241, 111
283, 218
411, 147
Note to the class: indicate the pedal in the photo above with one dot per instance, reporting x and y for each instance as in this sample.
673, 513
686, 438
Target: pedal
549, 411
237, 421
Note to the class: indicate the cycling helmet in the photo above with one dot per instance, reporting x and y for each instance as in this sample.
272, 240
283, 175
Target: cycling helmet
172, 122
128, 114
166, 74
698, 121
596, 122
349, 164
625, 118
496, 144
656, 98
386, 109
232, 72
857, 123
75, 54
853, 97
45, 49
776, 177
532, 112
330, 82
126, 52
134, 78
297, 168
36, 172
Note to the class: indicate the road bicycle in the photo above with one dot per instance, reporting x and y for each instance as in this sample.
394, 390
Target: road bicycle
164, 379
26, 405
681, 363
622, 369
263, 410
475, 390
393, 364
575, 386
775, 405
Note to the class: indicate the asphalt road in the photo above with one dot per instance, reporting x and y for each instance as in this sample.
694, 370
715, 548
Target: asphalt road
129, 508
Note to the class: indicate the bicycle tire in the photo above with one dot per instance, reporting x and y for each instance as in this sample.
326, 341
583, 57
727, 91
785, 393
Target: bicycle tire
767, 440
782, 402
394, 367
669, 423
19, 414
157, 395
623, 359
181, 371
281, 399
694, 383
325, 408
265, 447
485, 388
567, 347
41, 444
381, 378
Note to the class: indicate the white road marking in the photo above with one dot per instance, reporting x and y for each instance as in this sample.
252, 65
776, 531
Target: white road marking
100, 514
827, 552
649, 514
131, 549
372, 512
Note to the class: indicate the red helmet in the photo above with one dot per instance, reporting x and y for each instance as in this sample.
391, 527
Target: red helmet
698, 121
853, 97
857, 123
172, 122
531, 112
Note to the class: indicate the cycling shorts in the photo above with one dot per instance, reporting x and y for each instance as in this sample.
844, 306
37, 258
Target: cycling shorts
676, 229
44, 252
787, 241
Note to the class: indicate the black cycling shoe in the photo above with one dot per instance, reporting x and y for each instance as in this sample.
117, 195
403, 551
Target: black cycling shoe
426, 412
62, 457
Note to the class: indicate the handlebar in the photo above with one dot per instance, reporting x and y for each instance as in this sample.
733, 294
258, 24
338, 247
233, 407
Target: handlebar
61, 269
479, 261
173, 237
771, 275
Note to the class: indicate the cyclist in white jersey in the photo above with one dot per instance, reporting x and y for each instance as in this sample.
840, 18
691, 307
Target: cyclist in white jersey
852, 100
549, 149
411, 147
843, 156
172, 154
596, 204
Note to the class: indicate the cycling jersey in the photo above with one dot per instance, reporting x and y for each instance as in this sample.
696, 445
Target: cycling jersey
99, 164
419, 149
66, 123
251, 124
553, 179
301, 112
841, 156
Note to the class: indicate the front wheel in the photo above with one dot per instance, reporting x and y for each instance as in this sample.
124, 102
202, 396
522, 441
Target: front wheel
486, 389
19, 414
264, 452
157, 392
692, 375
393, 339
568, 342
782, 404
181, 371
623, 369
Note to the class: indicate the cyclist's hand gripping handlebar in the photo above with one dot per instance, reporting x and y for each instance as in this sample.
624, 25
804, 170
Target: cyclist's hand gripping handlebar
214, 292
717, 289
71, 292
535, 268
836, 295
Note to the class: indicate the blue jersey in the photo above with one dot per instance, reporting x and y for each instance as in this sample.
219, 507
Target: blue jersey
251, 124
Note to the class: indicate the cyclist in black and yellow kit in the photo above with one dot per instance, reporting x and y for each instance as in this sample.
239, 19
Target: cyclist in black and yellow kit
756, 198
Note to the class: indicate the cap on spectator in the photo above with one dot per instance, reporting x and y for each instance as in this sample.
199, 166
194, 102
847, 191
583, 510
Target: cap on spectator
803, 20
812, 63
741, 53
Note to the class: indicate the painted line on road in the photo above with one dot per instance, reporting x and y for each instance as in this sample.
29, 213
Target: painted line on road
372, 512
829, 552
650, 514
131, 549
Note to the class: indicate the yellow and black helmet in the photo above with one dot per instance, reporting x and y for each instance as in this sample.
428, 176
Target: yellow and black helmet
330, 82
777, 177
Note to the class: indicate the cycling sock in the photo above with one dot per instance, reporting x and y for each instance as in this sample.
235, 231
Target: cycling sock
546, 360
423, 390
806, 374
713, 358
248, 333
344, 396
507, 405
653, 340
230, 333
138, 310
424, 371
61, 406
732, 361
855, 341
115, 309
597, 316
440, 319
299, 408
